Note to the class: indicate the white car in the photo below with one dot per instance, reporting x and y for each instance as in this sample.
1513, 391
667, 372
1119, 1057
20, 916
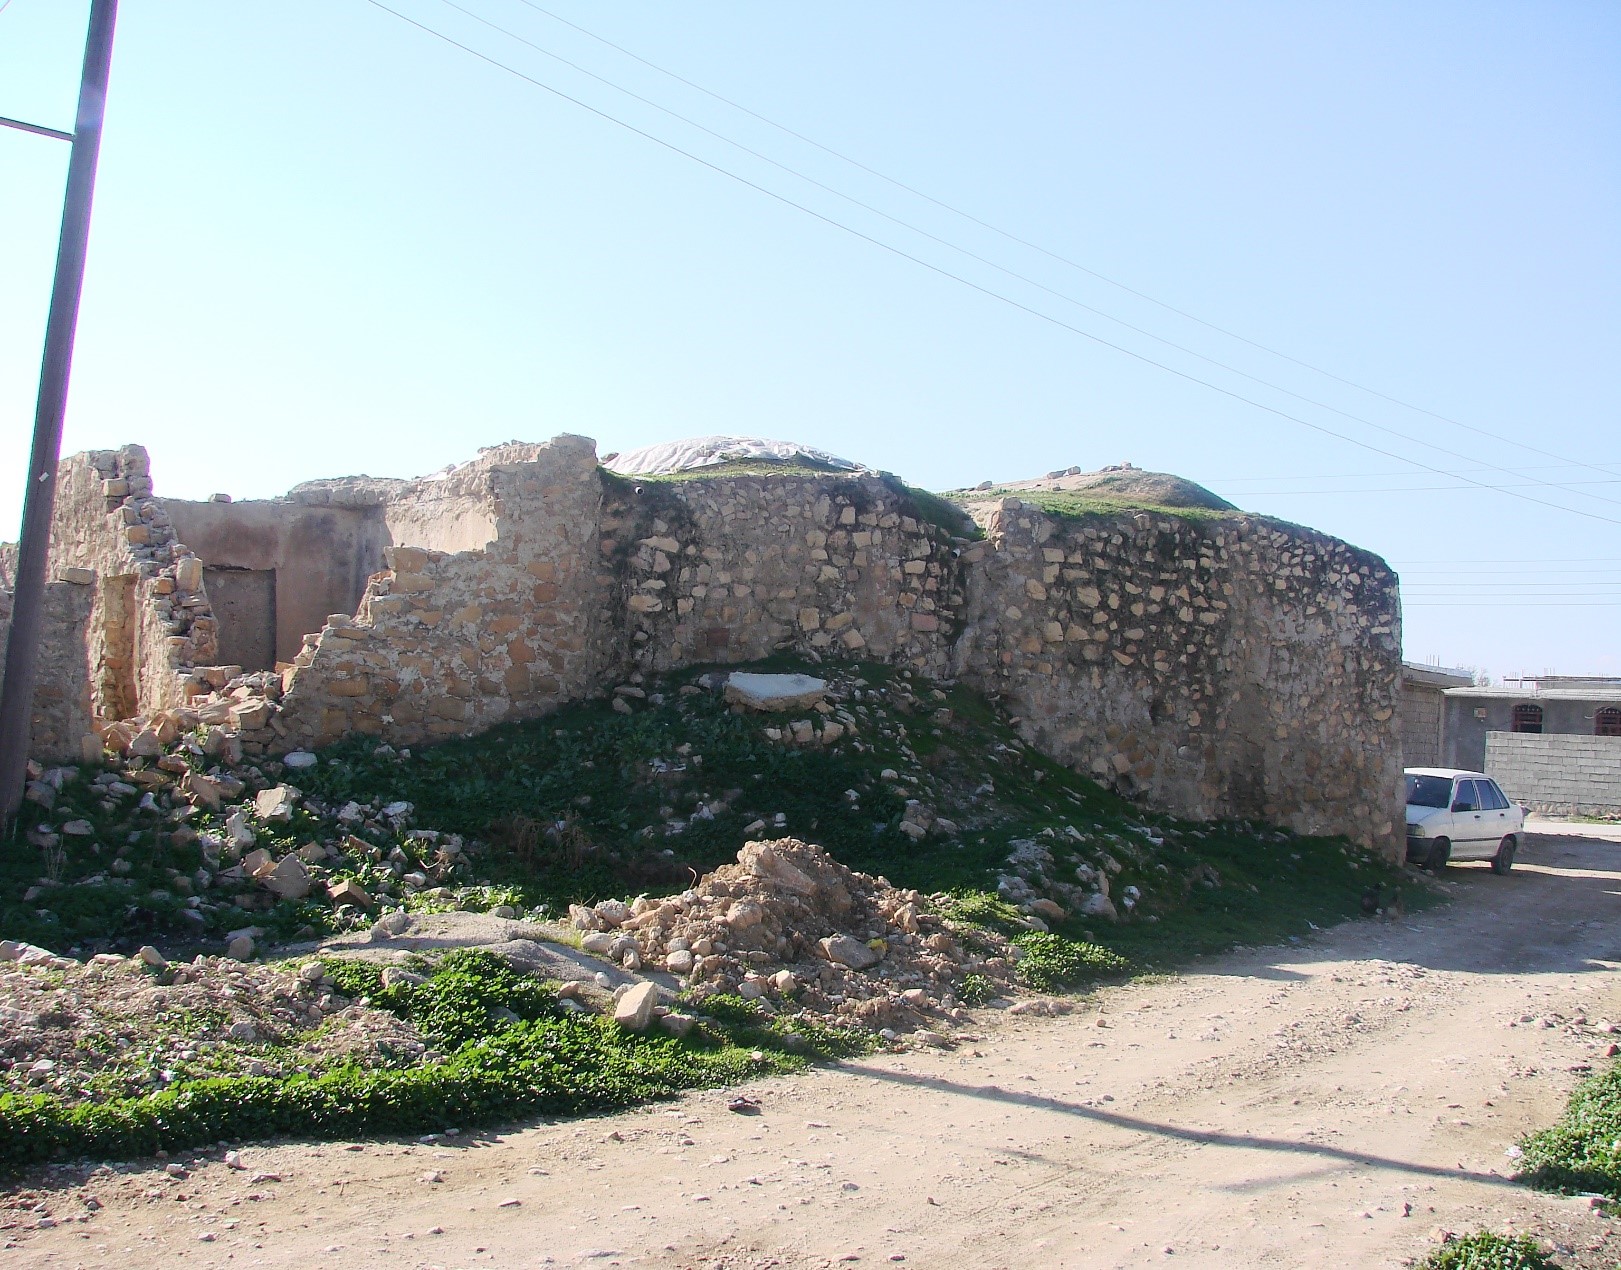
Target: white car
1455, 815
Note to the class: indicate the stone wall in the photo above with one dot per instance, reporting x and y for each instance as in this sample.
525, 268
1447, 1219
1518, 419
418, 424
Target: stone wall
1560, 775
150, 620
736, 569
1229, 666
445, 643
1222, 667
62, 730
313, 558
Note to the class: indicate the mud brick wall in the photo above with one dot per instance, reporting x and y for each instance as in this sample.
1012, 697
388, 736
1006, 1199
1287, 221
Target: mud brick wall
1229, 667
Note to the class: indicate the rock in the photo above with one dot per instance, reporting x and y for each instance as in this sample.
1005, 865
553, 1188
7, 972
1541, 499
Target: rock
678, 1025
236, 825
614, 913
1048, 909
152, 957
679, 962
634, 1010
766, 862
240, 948
289, 880
391, 924
845, 950
599, 943
10, 950
923, 1036
348, 892
299, 759
774, 693
505, 911
785, 982
79, 829
398, 976
312, 972
257, 863
243, 1030
274, 804
1099, 905
584, 918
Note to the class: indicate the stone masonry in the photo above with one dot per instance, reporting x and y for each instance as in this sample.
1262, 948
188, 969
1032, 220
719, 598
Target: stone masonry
1227, 665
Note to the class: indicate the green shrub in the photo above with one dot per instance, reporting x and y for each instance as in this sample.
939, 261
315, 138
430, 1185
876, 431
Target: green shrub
1486, 1251
1052, 962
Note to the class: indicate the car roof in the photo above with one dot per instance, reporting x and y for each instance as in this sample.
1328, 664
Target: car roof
1444, 771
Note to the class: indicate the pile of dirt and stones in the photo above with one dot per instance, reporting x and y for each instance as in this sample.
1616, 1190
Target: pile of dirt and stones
118, 1026
792, 929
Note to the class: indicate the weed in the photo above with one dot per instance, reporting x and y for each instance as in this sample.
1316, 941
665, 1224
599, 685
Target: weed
1582, 1152
1052, 963
1484, 1250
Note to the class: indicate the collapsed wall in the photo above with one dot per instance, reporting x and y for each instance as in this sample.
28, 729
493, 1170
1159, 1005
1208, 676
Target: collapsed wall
1212, 665
1218, 666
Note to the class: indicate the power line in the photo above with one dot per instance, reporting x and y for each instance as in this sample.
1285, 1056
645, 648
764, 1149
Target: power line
1521, 560
946, 273
1052, 255
951, 246
1405, 489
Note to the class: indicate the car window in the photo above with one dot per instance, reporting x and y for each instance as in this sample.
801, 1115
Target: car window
1465, 798
1494, 792
1428, 791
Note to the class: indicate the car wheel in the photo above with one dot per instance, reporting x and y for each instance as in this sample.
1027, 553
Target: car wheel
1503, 861
1440, 853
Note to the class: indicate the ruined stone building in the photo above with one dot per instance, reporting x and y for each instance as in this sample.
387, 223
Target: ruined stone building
1210, 665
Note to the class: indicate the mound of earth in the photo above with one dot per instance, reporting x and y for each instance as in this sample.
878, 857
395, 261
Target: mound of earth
700, 452
791, 927
122, 1026
1126, 484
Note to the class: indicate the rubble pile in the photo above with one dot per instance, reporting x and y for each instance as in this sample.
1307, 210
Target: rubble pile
793, 929
117, 1026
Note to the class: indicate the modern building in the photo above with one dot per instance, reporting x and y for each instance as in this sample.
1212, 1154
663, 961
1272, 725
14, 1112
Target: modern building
1553, 743
1422, 710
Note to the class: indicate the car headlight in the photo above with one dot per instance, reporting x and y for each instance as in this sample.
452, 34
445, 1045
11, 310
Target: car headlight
1415, 831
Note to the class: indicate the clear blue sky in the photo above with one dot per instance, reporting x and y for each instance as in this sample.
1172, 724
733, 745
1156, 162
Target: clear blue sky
326, 243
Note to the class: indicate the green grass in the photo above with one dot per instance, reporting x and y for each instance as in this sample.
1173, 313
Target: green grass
1487, 1251
1081, 504
1582, 1152
495, 1068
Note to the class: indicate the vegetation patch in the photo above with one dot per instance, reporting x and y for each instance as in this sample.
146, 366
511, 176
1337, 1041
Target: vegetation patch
511, 1048
1052, 963
1484, 1250
1582, 1152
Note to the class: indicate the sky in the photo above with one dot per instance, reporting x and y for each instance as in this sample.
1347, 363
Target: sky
328, 242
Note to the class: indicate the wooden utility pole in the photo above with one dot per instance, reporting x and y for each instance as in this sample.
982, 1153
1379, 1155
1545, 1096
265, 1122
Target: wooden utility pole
39, 501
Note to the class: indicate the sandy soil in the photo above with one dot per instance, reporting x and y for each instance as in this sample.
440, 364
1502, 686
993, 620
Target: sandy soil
1340, 1101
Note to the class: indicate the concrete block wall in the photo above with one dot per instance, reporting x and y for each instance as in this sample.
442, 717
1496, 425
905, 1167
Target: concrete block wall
1560, 774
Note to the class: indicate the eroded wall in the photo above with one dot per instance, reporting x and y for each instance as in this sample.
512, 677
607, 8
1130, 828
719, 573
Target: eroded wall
310, 561
1226, 667
61, 728
1231, 666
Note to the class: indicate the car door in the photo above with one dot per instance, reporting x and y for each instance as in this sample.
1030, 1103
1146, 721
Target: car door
1509, 817
1468, 832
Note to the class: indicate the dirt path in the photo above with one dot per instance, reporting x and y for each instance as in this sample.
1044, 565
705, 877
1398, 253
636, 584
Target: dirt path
1329, 1103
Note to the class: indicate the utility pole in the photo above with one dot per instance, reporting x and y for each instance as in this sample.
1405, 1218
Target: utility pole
39, 501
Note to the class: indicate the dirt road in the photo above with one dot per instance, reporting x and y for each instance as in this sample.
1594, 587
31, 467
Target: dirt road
1329, 1103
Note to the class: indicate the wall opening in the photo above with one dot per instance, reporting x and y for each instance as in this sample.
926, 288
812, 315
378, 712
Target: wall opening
116, 690
1607, 722
244, 604
1527, 718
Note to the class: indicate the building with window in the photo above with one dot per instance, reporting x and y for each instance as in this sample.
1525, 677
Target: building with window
1553, 743
1421, 710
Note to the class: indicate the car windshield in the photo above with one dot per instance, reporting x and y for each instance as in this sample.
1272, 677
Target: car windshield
1428, 791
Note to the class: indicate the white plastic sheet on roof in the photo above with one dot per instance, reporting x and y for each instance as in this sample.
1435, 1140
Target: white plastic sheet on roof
699, 452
